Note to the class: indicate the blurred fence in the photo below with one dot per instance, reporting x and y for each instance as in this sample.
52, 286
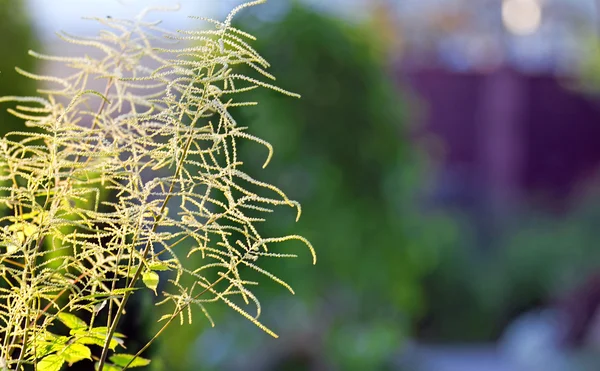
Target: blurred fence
509, 136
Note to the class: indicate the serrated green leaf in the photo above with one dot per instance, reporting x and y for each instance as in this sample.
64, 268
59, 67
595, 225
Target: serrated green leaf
48, 336
72, 321
158, 266
43, 350
123, 291
99, 341
76, 352
103, 330
114, 293
124, 359
11, 248
108, 367
151, 280
97, 336
47, 343
52, 362
92, 339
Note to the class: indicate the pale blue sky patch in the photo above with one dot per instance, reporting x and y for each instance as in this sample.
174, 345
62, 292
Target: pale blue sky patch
51, 16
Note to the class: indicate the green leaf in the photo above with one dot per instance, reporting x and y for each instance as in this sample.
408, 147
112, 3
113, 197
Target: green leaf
151, 280
95, 339
103, 330
48, 336
76, 352
109, 367
114, 293
158, 266
123, 291
44, 349
123, 359
46, 343
11, 248
97, 336
72, 321
52, 362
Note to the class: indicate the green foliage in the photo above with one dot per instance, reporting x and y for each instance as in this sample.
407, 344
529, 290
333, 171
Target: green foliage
124, 360
17, 38
161, 137
545, 256
537, 258
342, 150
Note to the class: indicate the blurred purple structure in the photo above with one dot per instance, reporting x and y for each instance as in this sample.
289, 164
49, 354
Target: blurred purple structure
508, 137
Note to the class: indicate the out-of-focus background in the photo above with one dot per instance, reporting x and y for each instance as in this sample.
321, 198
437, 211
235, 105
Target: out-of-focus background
446, 154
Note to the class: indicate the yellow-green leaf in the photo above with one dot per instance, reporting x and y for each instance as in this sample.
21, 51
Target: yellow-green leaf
151, 280
158, 266
103, 330
22, 230
97, 336
95, 339
52, 362
11, 248
123, 359
76, 352
72, 321
46, 343
109, 367
29, 229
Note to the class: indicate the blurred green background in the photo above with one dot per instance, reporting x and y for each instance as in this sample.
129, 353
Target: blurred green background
18, 37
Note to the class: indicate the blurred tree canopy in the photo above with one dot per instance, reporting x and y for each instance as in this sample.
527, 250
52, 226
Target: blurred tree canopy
343, 151
17, 38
